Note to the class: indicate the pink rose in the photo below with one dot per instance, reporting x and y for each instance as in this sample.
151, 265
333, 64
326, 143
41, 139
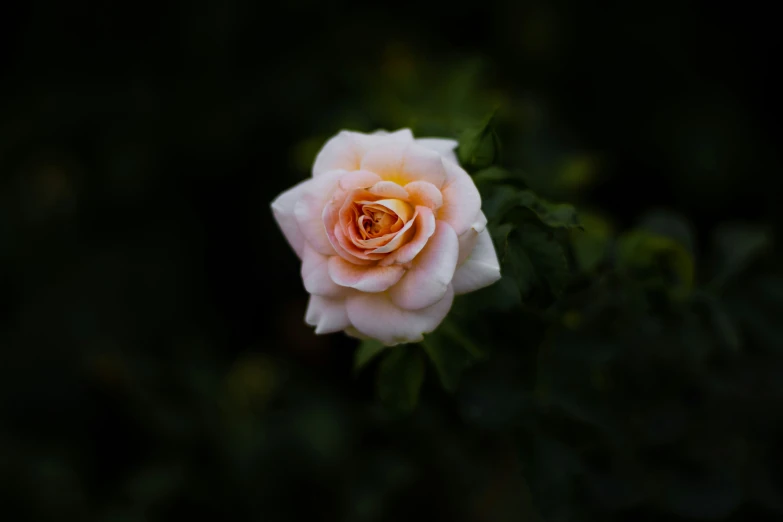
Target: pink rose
389, 229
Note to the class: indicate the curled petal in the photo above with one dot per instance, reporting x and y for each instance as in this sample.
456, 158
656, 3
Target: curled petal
399, 239
424, 193
376, 316
327, 315
353, 252
442, 146
363, 278
283, 210
467, 241
405, 162
461, 199
431, 272
425, 227
389, 189
315, 274
480, 269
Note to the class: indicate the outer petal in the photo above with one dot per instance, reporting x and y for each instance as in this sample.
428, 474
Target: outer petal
327, 315
315, 274
363, 277
343, 151
423, 193
346, 150
425, 227
402, 135
442, 146
481, 267
283, 210
461, 199
467, 241
310, 206
429, 277
376, 316
405, 162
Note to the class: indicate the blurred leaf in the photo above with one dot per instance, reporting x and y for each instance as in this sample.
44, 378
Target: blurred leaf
367, 351
400, 377
737, 245
670, 224
657, 261
451, 352
726, 330
479, 146
591, 243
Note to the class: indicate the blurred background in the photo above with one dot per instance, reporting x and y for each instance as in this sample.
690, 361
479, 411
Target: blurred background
154, 362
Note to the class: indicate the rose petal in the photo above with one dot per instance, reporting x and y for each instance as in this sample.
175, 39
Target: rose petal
442, 146
343, 151
283, 210
356, 334
309, 210
389, 189
359, 179
315, 274
400, 238
350, 249
426, 281
402, 135
461, 199
467, 241
363, 278
330, 218
405, 162
327, 315
424, 193
376, 316
425, 227
346, 150
481, 267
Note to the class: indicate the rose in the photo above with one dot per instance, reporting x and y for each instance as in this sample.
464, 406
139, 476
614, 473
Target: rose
388, 229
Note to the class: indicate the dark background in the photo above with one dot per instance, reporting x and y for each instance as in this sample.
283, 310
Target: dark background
154, 363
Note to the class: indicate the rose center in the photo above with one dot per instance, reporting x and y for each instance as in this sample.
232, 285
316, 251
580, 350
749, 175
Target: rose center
378, 218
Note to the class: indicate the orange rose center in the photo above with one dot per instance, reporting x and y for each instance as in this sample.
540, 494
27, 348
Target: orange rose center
378, 218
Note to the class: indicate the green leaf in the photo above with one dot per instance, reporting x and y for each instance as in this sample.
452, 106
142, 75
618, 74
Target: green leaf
497, 200
536, 259
555, 215
451, 352
479, 146
400, 377
366, 352
499, 236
